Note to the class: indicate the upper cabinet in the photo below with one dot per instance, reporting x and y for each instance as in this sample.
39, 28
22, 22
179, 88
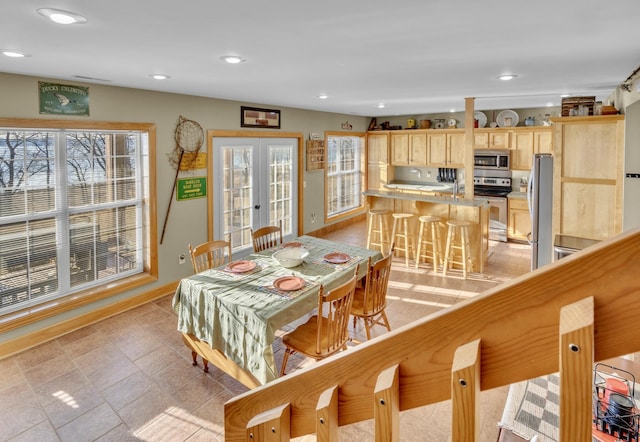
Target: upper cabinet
588, 176
527, 141
409, 149
491, 138
379, 172
445, 148
523, 142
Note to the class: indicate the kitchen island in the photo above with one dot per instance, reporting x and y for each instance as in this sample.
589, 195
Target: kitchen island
447, 207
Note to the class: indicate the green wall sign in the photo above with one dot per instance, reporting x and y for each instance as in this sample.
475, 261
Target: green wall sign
63, 99
188, 188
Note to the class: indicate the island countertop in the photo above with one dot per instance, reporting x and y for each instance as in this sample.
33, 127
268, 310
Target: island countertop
476, 202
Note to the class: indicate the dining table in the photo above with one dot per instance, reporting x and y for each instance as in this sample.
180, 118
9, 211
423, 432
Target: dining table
229, 315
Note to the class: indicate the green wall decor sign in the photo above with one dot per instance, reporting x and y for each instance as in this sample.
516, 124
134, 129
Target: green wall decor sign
63, 99
188, 188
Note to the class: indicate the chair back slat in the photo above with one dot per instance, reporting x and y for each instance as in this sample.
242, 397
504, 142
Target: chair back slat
210, 254
333, 329
266, 237
376, 284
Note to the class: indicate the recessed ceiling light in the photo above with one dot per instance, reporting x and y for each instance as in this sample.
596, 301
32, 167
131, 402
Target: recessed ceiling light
233, 59
549, 104
381, 106
13, 54
452, 110
323, 96
159, 76
62, 17
507, 77
565, 95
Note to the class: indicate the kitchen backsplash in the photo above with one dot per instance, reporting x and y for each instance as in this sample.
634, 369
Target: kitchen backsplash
422, 174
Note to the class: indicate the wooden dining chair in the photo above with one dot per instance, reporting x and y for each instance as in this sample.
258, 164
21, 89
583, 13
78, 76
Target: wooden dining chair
370, 300
266, 237
321, 335
210, 254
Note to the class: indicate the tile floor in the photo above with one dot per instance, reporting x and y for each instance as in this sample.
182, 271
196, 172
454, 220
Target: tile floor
129, 377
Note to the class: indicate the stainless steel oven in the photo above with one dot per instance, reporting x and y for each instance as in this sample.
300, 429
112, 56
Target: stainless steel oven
494, 189
487, 159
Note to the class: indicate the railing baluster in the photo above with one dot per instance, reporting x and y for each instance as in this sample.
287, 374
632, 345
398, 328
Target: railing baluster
327, 415
271, 426
387, 405
576, 370
465, 392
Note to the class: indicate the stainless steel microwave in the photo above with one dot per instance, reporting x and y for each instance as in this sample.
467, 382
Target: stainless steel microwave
492, 159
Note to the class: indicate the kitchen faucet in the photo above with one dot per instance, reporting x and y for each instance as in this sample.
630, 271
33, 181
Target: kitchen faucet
416, 171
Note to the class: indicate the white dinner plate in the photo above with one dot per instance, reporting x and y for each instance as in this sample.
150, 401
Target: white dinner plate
503, 118
481, 117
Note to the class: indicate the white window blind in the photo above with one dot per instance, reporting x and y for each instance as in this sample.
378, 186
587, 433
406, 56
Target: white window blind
71, 211
343, 172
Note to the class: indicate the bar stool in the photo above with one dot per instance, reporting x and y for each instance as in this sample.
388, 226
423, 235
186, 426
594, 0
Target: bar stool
458, 239
377, 233
401, 231
429, 237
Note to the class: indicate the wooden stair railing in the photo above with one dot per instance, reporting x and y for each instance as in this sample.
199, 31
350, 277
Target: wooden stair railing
562, 317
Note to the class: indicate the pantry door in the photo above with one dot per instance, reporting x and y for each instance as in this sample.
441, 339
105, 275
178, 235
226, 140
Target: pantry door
255, 184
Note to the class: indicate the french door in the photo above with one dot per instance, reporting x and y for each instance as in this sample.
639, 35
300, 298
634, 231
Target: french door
254, 185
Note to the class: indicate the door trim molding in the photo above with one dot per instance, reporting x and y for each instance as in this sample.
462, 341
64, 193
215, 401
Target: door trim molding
216, 133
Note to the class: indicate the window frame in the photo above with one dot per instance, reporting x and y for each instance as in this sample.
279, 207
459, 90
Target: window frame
149, 273
362, 154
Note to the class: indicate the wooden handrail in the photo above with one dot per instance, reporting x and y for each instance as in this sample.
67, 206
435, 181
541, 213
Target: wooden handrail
517, 323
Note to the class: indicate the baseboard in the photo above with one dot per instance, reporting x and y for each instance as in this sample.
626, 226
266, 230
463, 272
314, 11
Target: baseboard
54, 331
338, 225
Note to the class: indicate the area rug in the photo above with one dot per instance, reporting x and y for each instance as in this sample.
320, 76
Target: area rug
532, 409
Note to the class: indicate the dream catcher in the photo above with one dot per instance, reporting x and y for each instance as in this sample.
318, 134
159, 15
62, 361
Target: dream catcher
189, 137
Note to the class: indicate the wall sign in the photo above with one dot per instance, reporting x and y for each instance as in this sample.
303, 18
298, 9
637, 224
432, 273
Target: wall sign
63, 99
189, 188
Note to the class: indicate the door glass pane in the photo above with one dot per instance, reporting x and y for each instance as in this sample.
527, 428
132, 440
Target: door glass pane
237, 194
280, 183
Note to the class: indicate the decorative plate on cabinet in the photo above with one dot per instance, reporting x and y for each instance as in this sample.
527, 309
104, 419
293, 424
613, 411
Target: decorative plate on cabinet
507, 118
481, 117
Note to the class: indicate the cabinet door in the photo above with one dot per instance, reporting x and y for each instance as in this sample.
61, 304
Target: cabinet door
455, 153
437, 149
543, 142
400, 149
588, 176
499, 140
418, 149
522, 149
480, 140
590, 151
519, 220
378, 148
377, 176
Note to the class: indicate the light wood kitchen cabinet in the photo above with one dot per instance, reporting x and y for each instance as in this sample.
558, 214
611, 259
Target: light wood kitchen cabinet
378, 171
525, 142
588, 176
491, 138
519, 225
409, 149
445, 148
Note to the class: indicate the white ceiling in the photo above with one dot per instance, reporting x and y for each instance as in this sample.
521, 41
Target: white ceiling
417, 57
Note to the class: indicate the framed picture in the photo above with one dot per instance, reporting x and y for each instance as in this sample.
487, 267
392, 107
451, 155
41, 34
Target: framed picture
256, 117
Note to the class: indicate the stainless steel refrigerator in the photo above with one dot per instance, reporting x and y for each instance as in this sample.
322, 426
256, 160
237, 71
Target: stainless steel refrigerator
540, 199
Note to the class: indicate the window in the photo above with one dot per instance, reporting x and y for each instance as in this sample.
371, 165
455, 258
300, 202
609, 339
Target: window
73, 210
344, 174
